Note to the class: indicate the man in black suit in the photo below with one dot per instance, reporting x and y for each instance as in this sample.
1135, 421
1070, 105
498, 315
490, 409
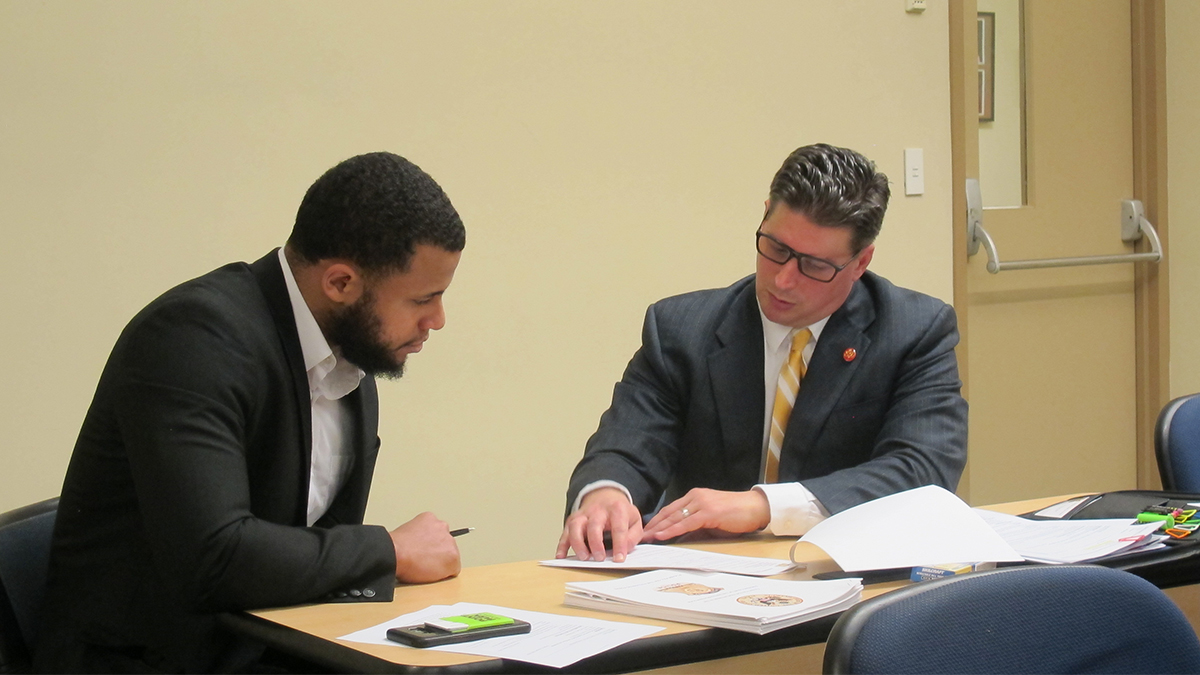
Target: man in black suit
225, 461
696, 423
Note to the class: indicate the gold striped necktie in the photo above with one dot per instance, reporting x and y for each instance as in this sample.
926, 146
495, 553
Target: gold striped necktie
785, 397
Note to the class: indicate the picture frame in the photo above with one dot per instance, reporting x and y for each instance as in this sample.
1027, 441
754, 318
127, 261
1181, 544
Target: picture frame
986, 25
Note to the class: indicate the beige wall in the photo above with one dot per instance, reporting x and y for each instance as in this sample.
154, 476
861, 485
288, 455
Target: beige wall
1183, 166
602, 155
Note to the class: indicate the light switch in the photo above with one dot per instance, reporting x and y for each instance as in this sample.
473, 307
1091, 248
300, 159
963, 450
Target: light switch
914, 6
914, 171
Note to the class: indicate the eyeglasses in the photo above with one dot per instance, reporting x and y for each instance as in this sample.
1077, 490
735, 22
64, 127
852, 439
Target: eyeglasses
817, 269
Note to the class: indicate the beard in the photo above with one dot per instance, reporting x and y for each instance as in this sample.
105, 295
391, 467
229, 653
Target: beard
355, 332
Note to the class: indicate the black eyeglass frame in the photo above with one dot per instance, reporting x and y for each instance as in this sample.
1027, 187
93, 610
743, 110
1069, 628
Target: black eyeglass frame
798, 256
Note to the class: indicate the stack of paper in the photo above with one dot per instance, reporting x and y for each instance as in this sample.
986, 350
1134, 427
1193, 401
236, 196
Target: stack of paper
931, 526
656, 556
923, 526
1070, 541
721, 600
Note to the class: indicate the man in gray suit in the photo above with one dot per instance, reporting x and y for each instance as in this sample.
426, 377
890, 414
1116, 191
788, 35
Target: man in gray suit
878, 408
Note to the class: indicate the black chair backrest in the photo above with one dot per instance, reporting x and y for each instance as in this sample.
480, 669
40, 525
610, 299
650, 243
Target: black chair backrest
1177, 444
1031, 619
24, 561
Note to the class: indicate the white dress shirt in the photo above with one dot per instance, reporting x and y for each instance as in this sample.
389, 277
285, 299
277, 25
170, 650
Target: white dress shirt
794, 510
329, 379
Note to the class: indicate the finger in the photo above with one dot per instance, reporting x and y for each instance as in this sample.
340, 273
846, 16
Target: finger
631, 523
595, 535
634, 535
679, 523
664, 520
620, 530
577, 526
664, 514
564, 543
677, 530
655, 524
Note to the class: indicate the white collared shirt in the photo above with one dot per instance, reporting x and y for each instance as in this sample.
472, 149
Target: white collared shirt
794, 509
329, 379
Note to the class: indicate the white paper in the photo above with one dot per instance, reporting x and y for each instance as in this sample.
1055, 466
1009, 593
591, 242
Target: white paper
655, 557
1060, 509
1066, 541
712, 599
555, 640
924, 526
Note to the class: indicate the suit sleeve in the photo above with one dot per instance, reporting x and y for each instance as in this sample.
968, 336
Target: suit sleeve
189, 395
637, 442
923, 438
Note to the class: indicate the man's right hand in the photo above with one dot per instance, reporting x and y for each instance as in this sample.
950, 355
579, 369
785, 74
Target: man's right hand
425, 551
606, 509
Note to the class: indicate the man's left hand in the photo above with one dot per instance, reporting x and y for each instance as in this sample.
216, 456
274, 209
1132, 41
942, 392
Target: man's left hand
702, 508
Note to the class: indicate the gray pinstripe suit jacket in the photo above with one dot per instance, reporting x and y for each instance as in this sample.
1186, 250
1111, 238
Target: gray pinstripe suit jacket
688, 411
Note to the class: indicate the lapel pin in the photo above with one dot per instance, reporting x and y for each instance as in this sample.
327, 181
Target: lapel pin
849, 354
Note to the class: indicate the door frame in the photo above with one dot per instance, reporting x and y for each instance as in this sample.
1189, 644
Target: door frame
1152, 307
1151, 299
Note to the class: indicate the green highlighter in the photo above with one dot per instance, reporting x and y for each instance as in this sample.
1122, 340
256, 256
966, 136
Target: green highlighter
1156, 517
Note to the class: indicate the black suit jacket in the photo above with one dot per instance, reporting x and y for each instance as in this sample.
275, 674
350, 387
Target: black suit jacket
187, 490
689, 410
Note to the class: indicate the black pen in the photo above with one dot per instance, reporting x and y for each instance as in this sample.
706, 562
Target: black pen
460, 531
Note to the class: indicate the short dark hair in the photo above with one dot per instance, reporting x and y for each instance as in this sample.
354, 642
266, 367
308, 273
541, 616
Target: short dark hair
373, 210
833, 187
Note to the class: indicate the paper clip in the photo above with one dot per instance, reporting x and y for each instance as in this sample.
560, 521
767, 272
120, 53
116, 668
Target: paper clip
1177, 533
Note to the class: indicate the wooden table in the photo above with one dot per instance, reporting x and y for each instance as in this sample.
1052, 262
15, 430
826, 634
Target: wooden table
312, 631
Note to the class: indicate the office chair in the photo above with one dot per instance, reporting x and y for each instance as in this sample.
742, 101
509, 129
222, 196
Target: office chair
1029, 619
24, 560
1177, 444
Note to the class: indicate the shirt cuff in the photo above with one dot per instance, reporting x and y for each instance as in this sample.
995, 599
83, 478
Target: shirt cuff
592, 487
794, 510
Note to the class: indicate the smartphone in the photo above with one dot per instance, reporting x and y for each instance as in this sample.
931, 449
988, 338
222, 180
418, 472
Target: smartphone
424, 636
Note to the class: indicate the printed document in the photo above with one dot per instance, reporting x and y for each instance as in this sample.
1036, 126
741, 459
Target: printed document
1069, 541
925, 526
655, 557
722, 600
555, 640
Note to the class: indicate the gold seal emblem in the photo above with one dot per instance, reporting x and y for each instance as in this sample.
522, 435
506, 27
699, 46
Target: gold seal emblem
689, 589
770, 600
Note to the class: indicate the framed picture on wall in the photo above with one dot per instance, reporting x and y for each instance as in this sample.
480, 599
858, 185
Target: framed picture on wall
987, 59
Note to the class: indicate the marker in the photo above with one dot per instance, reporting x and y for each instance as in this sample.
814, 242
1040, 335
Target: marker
460, 531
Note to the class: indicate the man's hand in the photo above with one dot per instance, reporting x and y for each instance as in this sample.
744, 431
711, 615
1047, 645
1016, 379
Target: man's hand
425, 551
702, 508
604, 510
